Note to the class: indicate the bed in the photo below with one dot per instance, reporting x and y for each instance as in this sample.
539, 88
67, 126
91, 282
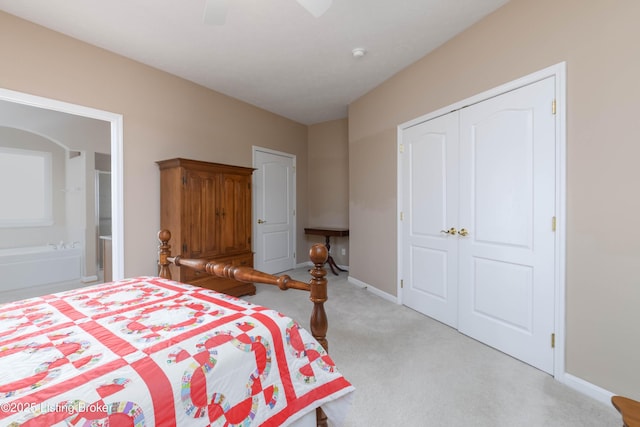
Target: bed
150, 351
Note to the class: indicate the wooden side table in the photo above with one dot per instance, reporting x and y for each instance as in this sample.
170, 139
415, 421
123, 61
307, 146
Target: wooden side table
328, 233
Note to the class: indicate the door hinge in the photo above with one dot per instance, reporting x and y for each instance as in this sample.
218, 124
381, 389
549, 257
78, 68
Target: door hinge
401, 284
553, 340
184, 180
294, 255
553, 224
553, 107
401, 216
401, 148
294, 212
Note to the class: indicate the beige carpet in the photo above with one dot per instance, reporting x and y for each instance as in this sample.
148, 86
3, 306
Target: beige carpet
410, 370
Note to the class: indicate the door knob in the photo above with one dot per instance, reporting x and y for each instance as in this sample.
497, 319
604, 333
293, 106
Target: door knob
451, 231
463, 232
261, 221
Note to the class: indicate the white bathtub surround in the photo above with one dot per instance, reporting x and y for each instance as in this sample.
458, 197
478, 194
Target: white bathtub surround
39, 266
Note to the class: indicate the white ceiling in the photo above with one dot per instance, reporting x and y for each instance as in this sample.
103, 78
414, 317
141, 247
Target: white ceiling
269, 53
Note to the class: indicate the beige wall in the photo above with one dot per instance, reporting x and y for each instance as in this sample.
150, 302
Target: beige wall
599, 41
163, 116
328, 190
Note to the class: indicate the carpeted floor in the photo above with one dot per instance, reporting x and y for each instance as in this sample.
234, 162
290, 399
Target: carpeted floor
410, 370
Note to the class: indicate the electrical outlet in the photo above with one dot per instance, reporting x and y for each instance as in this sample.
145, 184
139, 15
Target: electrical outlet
344, 251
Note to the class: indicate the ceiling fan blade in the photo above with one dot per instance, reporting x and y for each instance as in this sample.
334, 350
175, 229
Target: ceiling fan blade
316, 7
215, 12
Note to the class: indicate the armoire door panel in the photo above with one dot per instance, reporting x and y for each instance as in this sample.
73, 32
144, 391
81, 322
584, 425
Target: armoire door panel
193, 216
233, 231
202, 221
207, 224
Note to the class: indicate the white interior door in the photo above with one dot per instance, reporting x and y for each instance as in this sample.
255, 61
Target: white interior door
487, 171
430, 210
274, 219
507, 204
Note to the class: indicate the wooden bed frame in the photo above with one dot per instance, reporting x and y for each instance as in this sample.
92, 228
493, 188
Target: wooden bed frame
317, 286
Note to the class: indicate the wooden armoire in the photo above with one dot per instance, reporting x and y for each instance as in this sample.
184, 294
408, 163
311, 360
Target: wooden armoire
207, 208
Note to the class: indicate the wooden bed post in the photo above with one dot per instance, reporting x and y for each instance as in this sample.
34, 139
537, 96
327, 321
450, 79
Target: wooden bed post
164, 252
319, 324
318, 255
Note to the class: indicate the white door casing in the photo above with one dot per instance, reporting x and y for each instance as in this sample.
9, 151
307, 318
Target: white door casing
274, 210
513, 216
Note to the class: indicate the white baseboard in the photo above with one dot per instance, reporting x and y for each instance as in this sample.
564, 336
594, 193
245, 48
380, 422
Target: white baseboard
372, 289
587, 388
306, 264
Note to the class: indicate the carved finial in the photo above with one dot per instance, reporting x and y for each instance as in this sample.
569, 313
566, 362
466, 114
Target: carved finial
318, 254
164, 236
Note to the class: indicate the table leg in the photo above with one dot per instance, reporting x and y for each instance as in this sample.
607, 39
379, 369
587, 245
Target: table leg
330, 261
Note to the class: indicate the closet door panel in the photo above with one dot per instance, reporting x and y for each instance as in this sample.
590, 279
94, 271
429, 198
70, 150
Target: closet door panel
507, 203
430, 209
503, 189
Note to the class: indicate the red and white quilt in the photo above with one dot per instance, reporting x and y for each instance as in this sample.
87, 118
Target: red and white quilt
154, 352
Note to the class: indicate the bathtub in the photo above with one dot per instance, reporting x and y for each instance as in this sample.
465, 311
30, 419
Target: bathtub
35, 266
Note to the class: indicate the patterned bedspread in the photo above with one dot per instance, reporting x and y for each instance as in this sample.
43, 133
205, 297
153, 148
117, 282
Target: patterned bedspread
154, 352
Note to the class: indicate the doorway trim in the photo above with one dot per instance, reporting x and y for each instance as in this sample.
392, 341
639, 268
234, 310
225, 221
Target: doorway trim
117, 187
559, 72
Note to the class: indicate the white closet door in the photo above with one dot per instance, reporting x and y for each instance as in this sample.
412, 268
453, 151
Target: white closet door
507, 205
430, 206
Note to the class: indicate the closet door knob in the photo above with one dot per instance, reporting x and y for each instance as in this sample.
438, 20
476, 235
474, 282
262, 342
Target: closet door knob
452, 231
463, 232
261, 221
